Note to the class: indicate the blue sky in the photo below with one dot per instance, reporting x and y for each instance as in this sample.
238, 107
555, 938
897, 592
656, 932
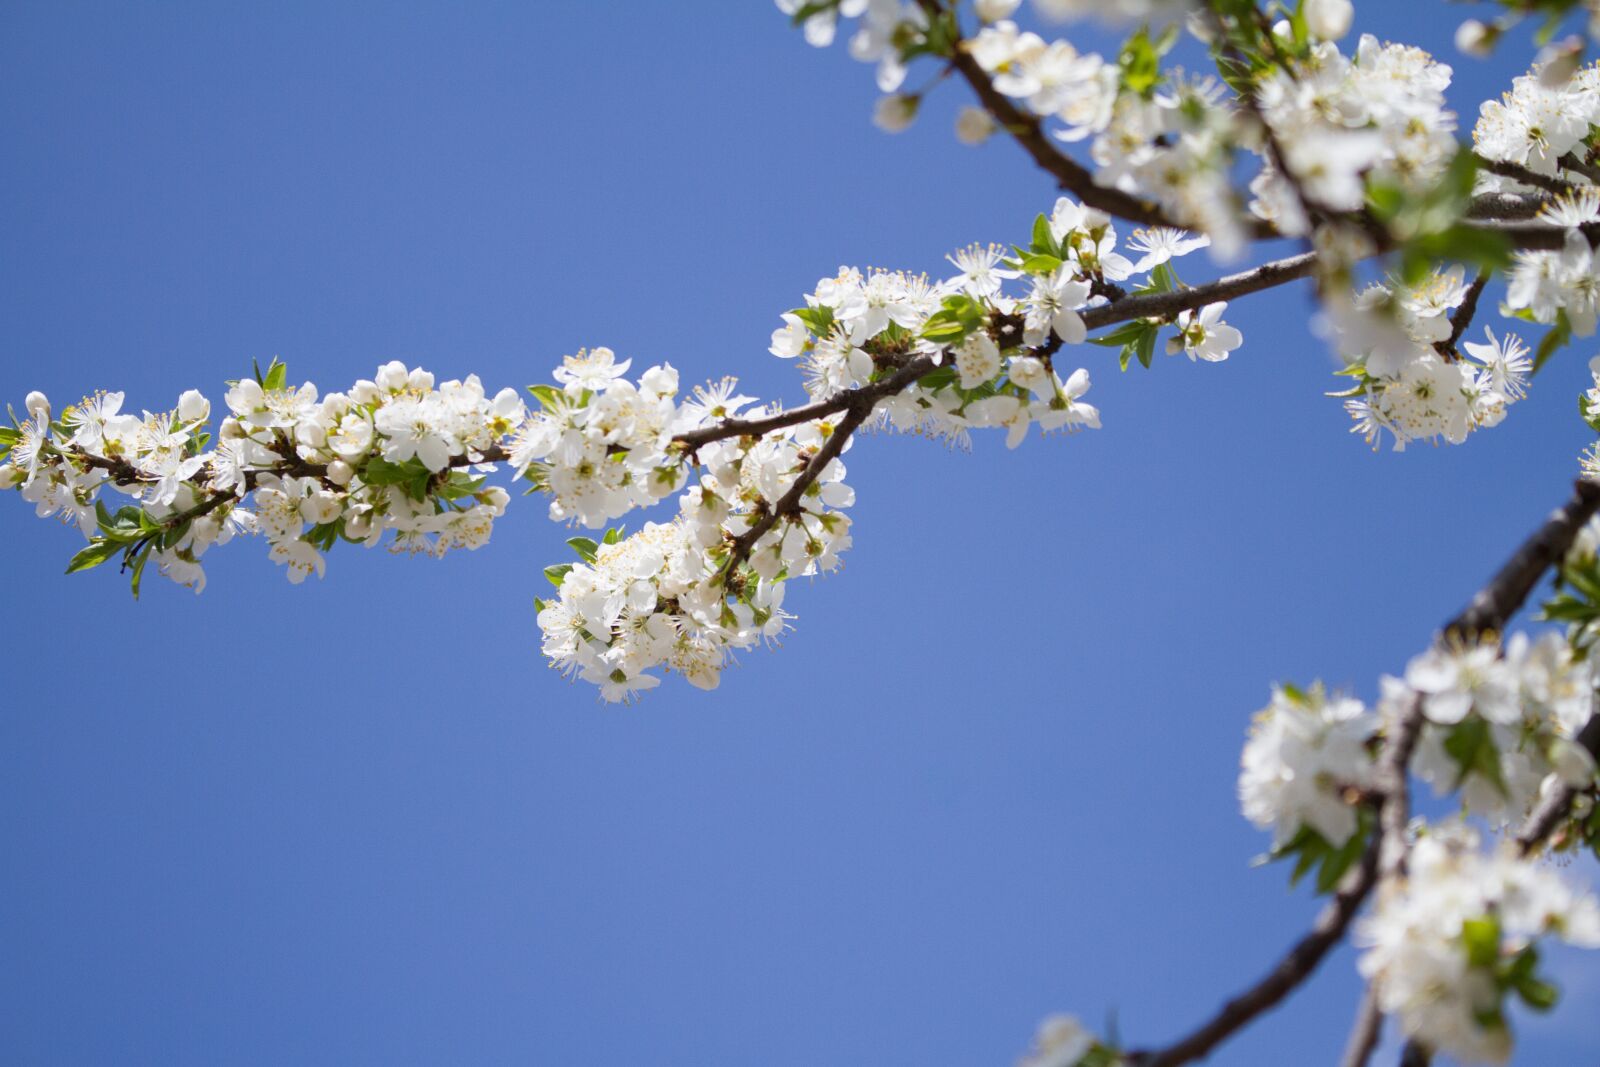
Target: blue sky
989, 776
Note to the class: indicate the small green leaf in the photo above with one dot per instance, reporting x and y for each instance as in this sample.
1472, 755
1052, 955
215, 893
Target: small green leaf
557, 573
98, 551
1122, 334
1482, 938
1145, 347
546, 395
1043, 242
140, 558
1471, 745
1039, 263
1553, 341
613, 535
819, 319
585, 547
277, 377
1536, 994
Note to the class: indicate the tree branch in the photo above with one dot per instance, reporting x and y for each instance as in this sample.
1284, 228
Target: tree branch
1519, 173
1496, 602
1488, 612
1028, 131
858, 408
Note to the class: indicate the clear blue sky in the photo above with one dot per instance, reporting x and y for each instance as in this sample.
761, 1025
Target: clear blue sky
991, 774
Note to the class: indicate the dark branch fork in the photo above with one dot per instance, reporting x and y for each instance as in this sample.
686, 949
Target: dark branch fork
1488, 613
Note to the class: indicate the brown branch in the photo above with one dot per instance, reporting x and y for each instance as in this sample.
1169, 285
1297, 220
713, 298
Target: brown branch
1028, 131
1164, 305
1463, 316
1295, 966
1301, 960
868, 394
1487, 613
857, 410
1496, 602
1573, 162
124, 473
1518, 173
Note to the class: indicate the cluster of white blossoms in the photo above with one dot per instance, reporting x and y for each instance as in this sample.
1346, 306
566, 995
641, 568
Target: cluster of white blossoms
686, 594
767, 495
1500, 727
1543, 124
1501, 723
1409, 380
1307, 755
600, 445
992, 346
1169, 139
388, 455
1450, 940
1452, 934
1344, 121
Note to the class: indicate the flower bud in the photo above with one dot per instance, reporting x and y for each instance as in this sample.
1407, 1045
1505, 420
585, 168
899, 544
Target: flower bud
340, 472
38, 405
193, 406
995, 10
10, 476
391, 377
895, 113
321, 508
358, 526
974, 125
1329, 20
496, 498
1558, 62
1475, 39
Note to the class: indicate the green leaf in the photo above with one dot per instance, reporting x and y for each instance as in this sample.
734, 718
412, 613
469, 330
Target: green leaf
585, 547
412, 477
1536, 994
1471, 745
277, 378
1145, 347
98, 551
938, 378
945, 327
1140, 64
1043, 242
819, 320
1038, 263
1122, 334
557, 573
805, 11
1340, 860
1482, 938
613, 535
139, 560
546, 395
1553, 341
